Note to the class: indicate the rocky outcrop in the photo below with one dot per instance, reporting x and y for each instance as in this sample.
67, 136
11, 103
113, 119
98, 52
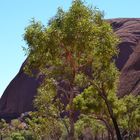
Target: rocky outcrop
19, 94
128, 60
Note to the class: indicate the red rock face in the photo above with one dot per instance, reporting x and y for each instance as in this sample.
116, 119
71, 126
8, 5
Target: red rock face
128, 60
19, 94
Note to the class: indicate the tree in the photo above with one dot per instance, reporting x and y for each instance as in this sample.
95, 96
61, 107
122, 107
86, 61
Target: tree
4, 129
17, 136
75, 49
129, 120
14, 131
87, 126
43, 127
93, 105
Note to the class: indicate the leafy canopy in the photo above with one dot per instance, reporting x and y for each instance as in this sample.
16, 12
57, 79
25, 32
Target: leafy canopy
71, 40
76, 46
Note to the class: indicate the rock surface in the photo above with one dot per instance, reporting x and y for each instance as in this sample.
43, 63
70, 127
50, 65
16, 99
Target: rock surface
128, 60
18, 96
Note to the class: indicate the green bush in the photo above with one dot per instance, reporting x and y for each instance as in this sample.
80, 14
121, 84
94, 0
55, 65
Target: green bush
17, 136
28, 135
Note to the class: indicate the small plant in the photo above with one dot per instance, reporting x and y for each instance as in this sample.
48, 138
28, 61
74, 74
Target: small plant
17, 136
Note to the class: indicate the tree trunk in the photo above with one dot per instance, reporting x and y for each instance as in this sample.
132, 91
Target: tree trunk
117, 130
71, 133
109, 135
118, 134
112, 135
96, 137
71, 117
102, 135
109, 128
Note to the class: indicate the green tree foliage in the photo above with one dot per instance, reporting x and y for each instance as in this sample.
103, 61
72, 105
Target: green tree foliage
130, 119
77, 47
15, 130
4, 128
93, 105
88, 125
17, 136
44, 127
